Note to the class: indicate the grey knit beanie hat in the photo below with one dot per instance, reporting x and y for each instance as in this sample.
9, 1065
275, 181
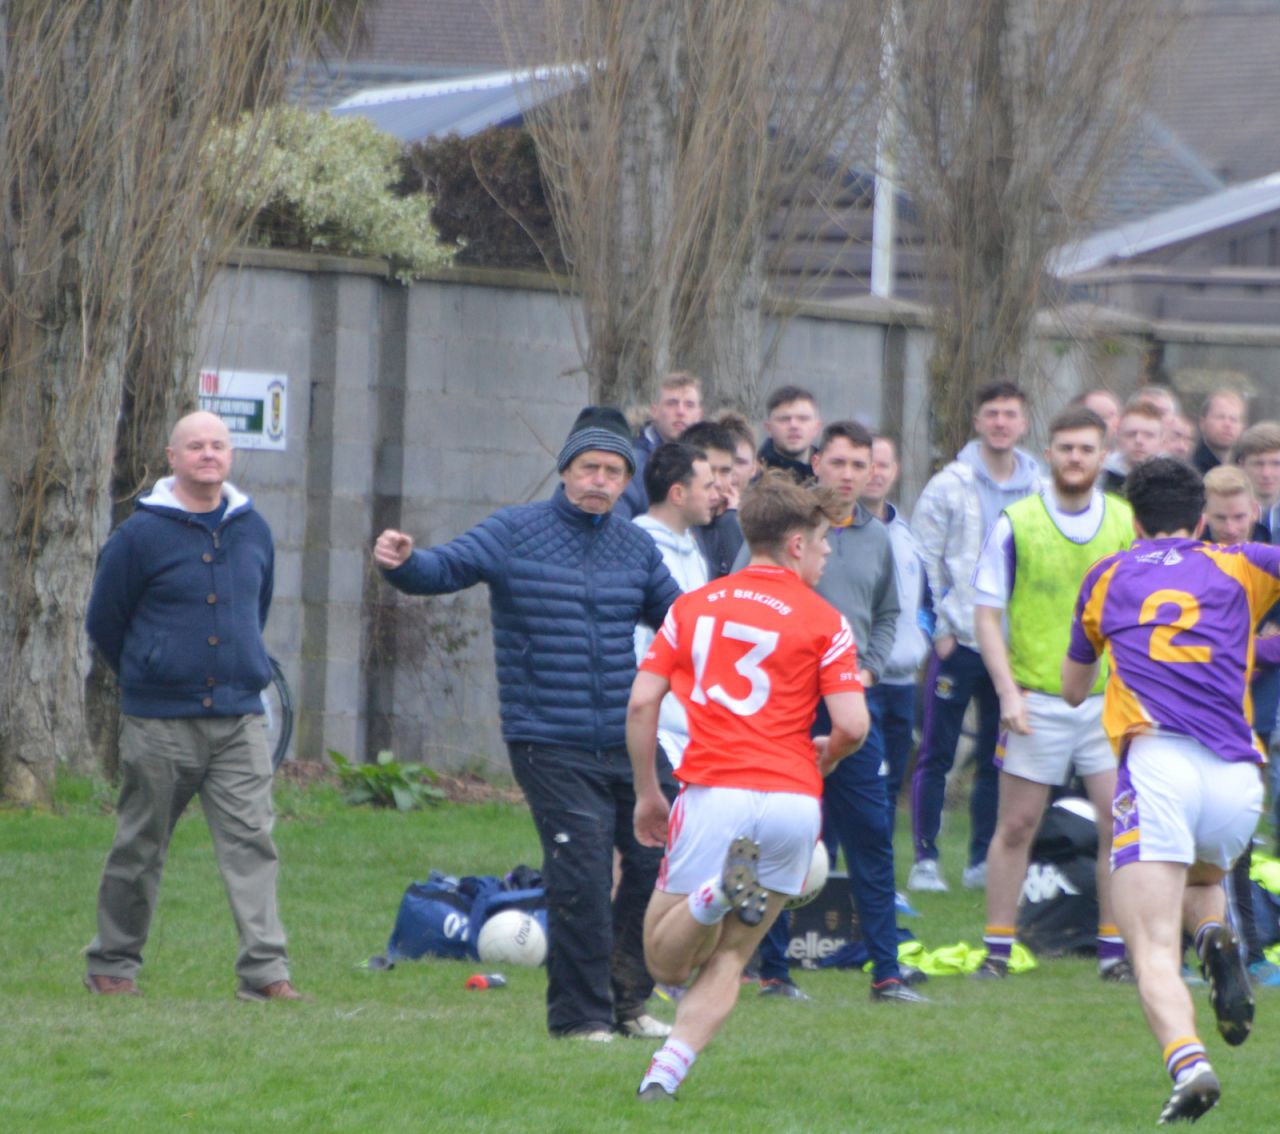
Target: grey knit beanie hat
603, 428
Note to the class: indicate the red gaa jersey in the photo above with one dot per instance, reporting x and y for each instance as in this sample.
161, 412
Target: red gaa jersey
748, 656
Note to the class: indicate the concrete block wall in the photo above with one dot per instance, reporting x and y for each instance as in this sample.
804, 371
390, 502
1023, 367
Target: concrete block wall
493, 381
426, 408
258, 318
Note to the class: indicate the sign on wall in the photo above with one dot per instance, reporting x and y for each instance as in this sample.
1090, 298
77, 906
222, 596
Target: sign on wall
253, 404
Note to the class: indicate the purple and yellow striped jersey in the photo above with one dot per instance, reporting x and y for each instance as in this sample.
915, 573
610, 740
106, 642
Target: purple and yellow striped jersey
1176, 617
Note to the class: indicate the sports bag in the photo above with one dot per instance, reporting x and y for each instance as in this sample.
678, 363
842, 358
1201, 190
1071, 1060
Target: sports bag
1058, 913
442, 916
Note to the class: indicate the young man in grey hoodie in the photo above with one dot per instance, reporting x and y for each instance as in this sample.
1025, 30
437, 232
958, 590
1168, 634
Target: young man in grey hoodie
951, 519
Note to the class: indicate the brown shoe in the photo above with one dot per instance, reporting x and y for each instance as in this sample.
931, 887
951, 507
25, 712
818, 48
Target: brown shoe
101, 985
276, 990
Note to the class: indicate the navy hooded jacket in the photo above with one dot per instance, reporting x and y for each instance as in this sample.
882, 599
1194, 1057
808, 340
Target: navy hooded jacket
178, 609
566, 589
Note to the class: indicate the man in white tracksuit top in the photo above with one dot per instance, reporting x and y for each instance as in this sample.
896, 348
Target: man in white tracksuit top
681, 492
951, 519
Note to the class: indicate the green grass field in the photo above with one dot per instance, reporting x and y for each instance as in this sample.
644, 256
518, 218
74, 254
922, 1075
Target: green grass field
411, 1050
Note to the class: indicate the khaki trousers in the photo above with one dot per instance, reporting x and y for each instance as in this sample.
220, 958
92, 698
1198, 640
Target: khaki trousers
164, 763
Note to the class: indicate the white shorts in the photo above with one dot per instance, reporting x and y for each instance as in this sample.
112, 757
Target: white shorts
705, 820
1061, 738
1178, 802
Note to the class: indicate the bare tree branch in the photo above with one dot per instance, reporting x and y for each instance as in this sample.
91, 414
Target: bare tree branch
1016, 112
668, 169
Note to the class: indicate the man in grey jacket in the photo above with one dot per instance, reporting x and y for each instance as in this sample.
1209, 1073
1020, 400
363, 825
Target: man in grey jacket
859, 581
681, 492
951, 519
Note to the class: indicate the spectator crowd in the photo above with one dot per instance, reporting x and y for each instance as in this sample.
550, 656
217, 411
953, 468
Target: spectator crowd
852, 627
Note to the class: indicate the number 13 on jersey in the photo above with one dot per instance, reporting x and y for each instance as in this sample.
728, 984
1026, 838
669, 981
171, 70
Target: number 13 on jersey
707, 641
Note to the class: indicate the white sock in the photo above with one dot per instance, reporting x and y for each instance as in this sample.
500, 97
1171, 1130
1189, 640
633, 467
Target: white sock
708, 903
669, 1065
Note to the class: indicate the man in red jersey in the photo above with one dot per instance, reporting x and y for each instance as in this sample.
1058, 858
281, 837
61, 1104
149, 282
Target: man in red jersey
748, 656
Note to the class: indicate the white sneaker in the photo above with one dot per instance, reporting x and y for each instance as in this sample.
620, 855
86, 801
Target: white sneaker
975, 877
925, 875
590, 1035
644, 1027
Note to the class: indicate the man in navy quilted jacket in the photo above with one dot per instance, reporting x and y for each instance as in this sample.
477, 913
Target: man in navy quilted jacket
568, 582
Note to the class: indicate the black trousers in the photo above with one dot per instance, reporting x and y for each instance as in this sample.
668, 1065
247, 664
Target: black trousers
583, 804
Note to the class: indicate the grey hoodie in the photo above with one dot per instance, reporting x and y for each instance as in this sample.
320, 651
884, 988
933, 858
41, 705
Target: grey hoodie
910, 642
950, 522
860, 582
995, 496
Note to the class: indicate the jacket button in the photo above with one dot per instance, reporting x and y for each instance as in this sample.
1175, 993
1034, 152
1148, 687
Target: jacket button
213, 639
210, 682
211, 599
207, 557
207, 702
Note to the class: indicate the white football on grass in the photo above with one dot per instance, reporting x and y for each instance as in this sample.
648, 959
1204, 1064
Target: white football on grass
512, 937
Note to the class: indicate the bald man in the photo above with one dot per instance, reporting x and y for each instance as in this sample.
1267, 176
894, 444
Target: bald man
179, 602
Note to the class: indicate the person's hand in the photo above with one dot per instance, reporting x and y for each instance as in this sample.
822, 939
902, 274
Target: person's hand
1013, 713
945, 646
867, 678
392, 549
730, 497
650, 820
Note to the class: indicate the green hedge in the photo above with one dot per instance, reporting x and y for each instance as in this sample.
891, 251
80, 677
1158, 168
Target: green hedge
331, 184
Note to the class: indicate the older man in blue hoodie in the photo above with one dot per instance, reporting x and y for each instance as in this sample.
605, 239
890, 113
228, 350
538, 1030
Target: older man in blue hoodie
179, 602
568, 581
951, 519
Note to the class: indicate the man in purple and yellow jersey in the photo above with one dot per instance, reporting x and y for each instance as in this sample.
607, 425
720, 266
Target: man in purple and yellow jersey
1176, 618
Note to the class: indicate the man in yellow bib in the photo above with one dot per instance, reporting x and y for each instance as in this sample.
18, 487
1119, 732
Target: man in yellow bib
1026, 581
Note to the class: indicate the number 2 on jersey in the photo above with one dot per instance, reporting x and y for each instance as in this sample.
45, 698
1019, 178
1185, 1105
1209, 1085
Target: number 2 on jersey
1162, 647
762, 643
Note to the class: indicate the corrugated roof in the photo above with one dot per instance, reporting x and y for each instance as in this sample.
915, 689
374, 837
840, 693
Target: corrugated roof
464, 106
1153, 172
1172, 226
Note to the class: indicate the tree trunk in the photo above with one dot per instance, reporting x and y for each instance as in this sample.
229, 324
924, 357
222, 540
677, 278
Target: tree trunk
57, 478
65, 324
157, 391
629, 321
107, 111
1016, 113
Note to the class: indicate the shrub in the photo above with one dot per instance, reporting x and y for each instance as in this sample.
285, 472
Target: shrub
331, 184
387, 783
490, 202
